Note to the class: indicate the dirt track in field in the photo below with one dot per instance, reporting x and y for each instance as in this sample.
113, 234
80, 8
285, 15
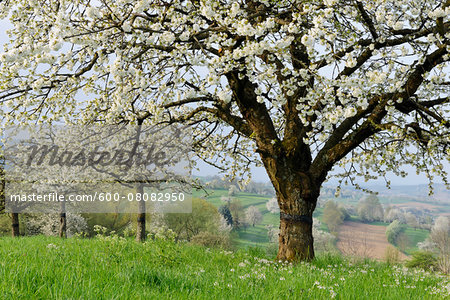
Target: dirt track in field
364, 240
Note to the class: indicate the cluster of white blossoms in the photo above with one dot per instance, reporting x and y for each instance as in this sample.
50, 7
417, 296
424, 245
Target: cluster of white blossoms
119, 60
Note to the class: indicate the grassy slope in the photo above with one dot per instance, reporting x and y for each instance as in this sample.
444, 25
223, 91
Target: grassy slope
52, 268
250, 236
414, 236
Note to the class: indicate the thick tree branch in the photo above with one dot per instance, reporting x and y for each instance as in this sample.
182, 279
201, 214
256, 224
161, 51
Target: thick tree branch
253, 112
367, 20
336, 148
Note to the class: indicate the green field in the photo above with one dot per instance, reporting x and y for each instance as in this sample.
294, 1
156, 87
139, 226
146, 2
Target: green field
257, 235
250, 236
116, 268
414, 236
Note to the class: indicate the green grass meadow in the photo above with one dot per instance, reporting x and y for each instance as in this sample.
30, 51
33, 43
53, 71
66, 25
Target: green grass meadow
115, 268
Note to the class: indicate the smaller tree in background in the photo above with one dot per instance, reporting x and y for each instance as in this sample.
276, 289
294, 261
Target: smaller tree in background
48, 224
333, 216
393, 231
224, 210
440, 235
224, 227
237, 212
253, 215
436, 248
370, 209
204, 217
226, 199
324, 241
402, 241
272, 233
411, 220
232, 191
393, 213
344, 211
272, 205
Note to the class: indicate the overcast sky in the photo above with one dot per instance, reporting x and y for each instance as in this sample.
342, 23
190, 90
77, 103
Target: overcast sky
259, 174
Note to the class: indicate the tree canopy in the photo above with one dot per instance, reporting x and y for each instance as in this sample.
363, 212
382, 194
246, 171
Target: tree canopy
300, 86
317, 77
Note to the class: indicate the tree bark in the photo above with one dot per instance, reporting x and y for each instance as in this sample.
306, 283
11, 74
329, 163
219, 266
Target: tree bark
297, 193
140, 232
295, 240
63, 221
15, 225
63, 225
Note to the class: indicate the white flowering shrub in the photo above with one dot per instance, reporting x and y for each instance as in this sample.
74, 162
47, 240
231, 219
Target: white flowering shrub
161, 232
253, 215
232, 191
224, 227
272, 205
440, 236
324, 241
226, 199
48, 224
393, 231
272, 233
426, 245
392, 214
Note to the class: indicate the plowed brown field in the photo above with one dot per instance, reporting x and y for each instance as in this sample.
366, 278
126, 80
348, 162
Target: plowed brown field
364, 240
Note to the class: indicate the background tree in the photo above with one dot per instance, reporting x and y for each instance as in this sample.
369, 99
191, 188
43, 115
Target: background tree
394, 214
324, 241
272, 205
226, 200
440, 236
204, 217
296, 86
49, 224
237, 212
402, 241
411, 220
345, 211
332, 216
253, 215
232, 191
436, 248
224, 210
393, 231
370, 209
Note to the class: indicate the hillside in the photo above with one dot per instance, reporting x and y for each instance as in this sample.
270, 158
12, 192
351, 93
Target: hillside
372, 235
115, 268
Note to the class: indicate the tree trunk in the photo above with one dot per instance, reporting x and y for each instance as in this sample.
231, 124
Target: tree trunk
140, 232
297, 193
63, 225
15, 224
295, 239
63, 221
